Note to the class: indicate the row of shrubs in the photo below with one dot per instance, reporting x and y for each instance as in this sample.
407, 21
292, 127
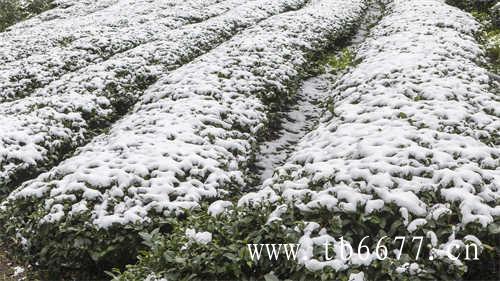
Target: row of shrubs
43, 129
191, 139
403, 152
58, 47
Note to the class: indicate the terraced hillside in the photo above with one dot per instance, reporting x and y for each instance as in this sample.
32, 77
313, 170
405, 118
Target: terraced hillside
158, 138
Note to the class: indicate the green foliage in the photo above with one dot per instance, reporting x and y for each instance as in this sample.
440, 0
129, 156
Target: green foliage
492, 45
490, 38
12, 11
226, 257
73, 245
174, 257
340, 61
470, 5
481, 16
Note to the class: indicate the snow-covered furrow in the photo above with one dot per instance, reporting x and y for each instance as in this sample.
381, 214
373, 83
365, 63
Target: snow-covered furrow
192, 136
414, 126
299, 119
37, 131
21, 77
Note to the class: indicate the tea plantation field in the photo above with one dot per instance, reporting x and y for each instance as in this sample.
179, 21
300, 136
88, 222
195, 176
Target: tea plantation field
156, 139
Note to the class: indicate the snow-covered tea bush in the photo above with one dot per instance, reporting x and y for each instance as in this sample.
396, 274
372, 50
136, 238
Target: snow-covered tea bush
409, 149
68, 48
190, 139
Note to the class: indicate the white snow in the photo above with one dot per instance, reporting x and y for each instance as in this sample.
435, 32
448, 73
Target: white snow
218, 207
277, 213
415, 224
199, 237
18, 270
298, 120
357, 276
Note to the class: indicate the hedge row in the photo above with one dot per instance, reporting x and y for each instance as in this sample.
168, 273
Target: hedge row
42, 13
190, 140
41, 130
409, 149
59, 27
70, 48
